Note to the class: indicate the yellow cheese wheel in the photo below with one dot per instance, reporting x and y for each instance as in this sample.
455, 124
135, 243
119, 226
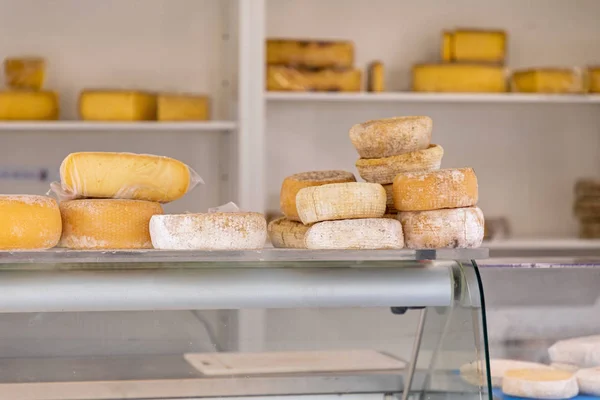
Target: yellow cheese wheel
117, 105
594, 79
434, 190
474, 45
29, 222
124, 176
458, 78
548, 80
182, 107
28, 106
284, 78
107, 224
25, 72
292, 185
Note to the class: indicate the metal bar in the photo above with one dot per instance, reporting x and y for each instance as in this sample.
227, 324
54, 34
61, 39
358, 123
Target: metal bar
410, 372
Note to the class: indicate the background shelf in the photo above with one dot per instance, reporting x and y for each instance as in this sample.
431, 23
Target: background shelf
69, 126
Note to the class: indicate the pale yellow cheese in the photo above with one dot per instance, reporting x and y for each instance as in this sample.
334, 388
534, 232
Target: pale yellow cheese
182, 107
286, 233
458, 78
548, 80
24, 72
117, 105
28, 106
367, 234
539, 384
474, 45
107, 223
594, 80
29, 222
282, 78
310, 53
124, 176
376, 79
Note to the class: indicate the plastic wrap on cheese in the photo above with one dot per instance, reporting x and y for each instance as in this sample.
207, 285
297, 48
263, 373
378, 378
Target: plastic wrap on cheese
323, 80
548, 80
124, 176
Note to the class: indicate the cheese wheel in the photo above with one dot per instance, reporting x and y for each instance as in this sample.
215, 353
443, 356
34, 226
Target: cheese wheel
376, 78
182, 107
475, 372
292, 185
448, 228
117, 105
341, 201
389, 203
368, 233
107, 224
24, 73
539, 384
384, 170
548, 80
588, 380
287, 234
391, 136
29, 222
433, 190
28, 106
565, 367
125, 176
209, 231
582, 351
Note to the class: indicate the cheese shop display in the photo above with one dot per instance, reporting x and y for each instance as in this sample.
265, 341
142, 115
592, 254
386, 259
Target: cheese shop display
594, 79
468, 78
284, 78
540, 384
475, 372
548, 80
28, 106
209, 231
24, 73
367, 233
107, 223
117, 105
588, 380
294, 183
587, 207
124, 176
182, 107
29, 222
310, 53
376, 77
286, 233
473, 45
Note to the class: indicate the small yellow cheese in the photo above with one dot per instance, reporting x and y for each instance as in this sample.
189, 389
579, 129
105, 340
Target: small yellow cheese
28, 106
310, 53
325, 80
115, 105
447, 38
594, 79
24, 72
29, 222
547, 80
182, 107
376, 81
471, 45
458, 78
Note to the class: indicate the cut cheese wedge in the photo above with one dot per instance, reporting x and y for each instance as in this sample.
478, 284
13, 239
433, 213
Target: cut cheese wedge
209, 231
182, 107
285, 233
384, 170
391, 136
369, 233
341, 201
548, 80
448, 228
582, 351
467, 78
539, 384
433, 190
389, 204
125, 176
588, 380
29, 222
107, 223
117, 105
28, 106
292, 185
25, 72
475, 372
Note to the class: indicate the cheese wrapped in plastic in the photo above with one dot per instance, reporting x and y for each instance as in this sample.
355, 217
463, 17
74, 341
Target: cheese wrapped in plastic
124, 176
325, 80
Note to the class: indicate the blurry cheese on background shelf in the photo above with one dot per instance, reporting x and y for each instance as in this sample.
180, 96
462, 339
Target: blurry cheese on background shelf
28, 106
458, 78
474, 46
117, 105
548, 80
594, 79
310, 53
496, 228
24, 72
282, 78
376, 77
587, 207
182, 107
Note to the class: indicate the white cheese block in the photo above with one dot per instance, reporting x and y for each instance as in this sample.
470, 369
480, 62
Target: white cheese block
368, 233
588, 380
583, 351
540, 384
209, 231
474, 372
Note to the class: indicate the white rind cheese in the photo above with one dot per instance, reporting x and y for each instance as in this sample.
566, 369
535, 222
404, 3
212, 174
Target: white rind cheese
583, 351
475, 372
588, 380
368, 233
285, 233
540, 384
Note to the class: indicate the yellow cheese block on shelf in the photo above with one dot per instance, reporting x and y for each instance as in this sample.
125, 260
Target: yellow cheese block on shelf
182, 107
458, 78
310, 53
548, 80
117, 105
28, 106
24, 72
472, 45
376, 79
594, 79
325, 80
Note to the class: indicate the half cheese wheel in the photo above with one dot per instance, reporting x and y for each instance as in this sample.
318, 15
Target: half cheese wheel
292, 185
475, 372
588, 380
107, 223
29, 222
285, 233
434, 190
369, 233
540, 384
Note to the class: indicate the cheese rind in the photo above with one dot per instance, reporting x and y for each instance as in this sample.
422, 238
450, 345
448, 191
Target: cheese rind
539, 384
29, 222
376, 78
182, 107
588, 380
341, 201
565, 367
294, 183
125, 176
369, 233
448, 228
467, 78
117, 105
310, 53
285, 233
475, 372
389, 205
434, 190
107, 223
28, 106
281, 78
209, 231
582, 351
391, 136
474, 45
384, 170
547, 80
594, 79
24, 72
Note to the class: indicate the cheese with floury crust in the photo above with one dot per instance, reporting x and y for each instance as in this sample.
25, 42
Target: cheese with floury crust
540, 384
581, 351
368, 233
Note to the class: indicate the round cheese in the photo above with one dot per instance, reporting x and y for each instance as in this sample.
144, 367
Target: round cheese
588, 380
341, 201
209, 231
29, 222
369, 233
539, 384
384, 170
292, 185
475, 372
587, 188
581, 351
448, 228
434, 190
286, 233
125, 176
391, 136
107, 223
